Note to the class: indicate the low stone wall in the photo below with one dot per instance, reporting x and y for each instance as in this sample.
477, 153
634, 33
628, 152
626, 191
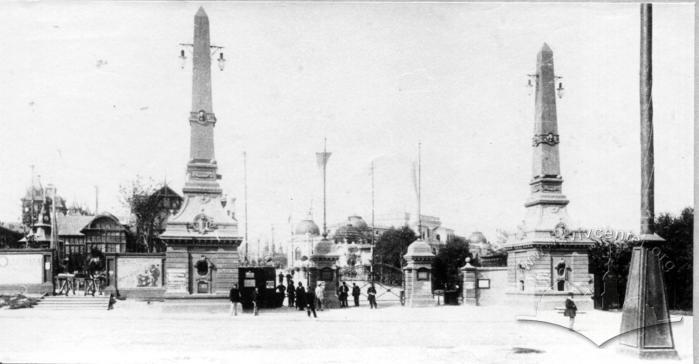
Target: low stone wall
491, 284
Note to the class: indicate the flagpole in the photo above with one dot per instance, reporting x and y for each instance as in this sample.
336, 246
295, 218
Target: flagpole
373, 231
245, 177
419, 189
31, 213
325, 163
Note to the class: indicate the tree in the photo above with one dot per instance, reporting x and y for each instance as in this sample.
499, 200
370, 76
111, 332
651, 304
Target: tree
136, 195
392, 245
448, 262
675, 256
611, 256
389, 251
609, 262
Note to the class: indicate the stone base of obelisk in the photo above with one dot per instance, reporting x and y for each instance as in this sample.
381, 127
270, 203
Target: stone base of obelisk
183, 281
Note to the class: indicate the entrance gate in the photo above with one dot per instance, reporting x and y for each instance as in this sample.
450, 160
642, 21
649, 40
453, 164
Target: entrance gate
388, 282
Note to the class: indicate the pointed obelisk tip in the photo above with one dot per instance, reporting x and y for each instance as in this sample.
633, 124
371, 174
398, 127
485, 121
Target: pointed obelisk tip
201, 12
546, 48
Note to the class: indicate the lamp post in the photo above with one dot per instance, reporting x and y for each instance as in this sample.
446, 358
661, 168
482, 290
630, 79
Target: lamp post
531, 80
214, 50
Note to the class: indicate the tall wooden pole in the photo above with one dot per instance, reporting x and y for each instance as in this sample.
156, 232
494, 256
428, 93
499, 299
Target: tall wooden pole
245, 183
325, 152
645, 322
372, 203
419, 189
373, 231
31, 204
646, 101
97, 199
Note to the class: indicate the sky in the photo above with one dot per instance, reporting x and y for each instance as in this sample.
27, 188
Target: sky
94, 95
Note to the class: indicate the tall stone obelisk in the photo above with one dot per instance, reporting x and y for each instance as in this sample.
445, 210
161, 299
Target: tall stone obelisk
202, 239
548, 259
202, 178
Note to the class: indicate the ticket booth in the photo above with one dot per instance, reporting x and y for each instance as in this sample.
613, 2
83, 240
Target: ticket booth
264, 278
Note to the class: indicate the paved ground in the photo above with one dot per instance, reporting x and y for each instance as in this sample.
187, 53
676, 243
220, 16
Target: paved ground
204, 332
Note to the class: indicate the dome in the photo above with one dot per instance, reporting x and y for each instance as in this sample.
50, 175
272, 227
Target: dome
347, 231
477, 237
358, 222
348, 234
419, 248
307, 227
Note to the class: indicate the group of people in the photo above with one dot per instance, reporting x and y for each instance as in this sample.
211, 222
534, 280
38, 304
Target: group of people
302, 299
305, 300
344, 291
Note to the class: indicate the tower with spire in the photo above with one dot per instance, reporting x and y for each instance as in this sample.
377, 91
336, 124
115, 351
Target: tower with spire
548, 258
201, 224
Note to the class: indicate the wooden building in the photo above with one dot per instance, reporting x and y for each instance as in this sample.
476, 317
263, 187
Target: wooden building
78, 234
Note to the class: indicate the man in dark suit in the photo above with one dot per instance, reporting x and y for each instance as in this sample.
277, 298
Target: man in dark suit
355, 294
371, 294
280, 294
300, 297
291, 293
234, 296
255, 301
311, 302
344, 293
570, 311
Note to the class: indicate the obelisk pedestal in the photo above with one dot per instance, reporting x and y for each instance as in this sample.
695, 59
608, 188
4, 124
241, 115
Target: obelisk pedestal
645, 322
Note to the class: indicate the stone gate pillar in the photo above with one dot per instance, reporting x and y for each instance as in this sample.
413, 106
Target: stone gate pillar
417, 275
323, 269
470, 287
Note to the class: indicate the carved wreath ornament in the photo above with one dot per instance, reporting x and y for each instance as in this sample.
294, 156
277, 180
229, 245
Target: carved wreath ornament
561, 231
202, 117
550, 139
202, 224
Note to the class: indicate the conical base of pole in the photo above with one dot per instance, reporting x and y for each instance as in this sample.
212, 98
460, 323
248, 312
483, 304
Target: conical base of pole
645, 324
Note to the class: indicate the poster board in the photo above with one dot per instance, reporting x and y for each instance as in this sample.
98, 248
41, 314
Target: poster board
484, 283
140, 273
21, 268
177, 279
